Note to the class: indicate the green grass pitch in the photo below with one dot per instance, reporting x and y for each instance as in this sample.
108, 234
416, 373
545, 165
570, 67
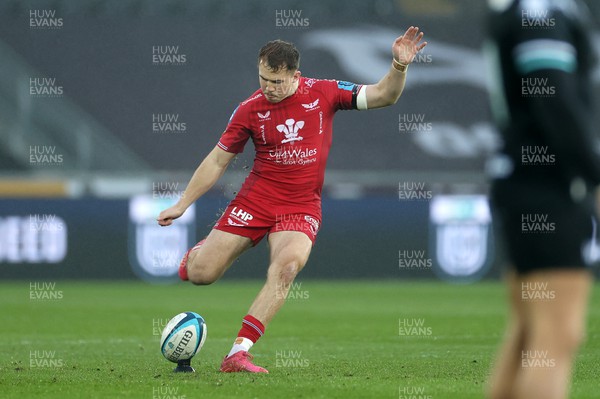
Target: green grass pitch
332, 339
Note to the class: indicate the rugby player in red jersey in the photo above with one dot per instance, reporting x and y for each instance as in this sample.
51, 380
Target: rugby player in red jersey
289, 120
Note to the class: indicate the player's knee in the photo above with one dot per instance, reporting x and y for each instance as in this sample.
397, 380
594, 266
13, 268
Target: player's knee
564, 337
201, 274
570, 337
202, 278
286, 272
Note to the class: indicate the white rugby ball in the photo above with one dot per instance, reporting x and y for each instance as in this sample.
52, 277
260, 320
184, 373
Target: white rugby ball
183, 336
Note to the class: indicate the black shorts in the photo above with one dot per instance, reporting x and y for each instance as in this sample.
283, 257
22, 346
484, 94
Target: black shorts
542, 227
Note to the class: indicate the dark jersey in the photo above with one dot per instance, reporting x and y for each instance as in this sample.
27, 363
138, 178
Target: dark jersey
543, 99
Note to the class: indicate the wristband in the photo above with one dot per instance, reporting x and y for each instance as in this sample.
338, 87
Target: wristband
398, 66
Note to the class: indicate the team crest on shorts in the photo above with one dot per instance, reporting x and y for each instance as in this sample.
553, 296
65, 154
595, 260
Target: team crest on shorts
314, 224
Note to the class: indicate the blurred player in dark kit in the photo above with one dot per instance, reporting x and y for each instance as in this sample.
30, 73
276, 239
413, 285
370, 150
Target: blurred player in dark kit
289, 120
544, 189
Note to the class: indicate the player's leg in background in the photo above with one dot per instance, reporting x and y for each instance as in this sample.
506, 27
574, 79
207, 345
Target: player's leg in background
289, 253
207, 264
508, 360
555, 331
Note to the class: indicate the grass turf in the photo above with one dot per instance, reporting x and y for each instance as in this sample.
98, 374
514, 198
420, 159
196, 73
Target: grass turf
331, 340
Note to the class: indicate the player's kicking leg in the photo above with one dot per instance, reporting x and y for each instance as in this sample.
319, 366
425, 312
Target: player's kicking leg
289, 253
206, 262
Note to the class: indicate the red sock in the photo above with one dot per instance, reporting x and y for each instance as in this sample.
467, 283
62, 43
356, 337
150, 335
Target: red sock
252, 328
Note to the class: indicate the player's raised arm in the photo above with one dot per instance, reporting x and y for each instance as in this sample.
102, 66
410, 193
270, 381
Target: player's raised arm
389, 88
205, 176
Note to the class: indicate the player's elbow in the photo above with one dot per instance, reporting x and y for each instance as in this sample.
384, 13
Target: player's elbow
384, 102
393, 96
393, 100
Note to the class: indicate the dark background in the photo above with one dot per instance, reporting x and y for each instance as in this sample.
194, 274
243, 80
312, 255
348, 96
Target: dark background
102, 125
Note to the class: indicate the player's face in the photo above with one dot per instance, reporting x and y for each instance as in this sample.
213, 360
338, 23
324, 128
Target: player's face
277, 85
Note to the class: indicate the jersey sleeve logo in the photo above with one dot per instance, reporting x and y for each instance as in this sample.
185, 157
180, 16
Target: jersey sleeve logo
290, 129
343, 85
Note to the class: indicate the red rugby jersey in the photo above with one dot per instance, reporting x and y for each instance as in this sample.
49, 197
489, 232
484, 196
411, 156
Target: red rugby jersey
292, 140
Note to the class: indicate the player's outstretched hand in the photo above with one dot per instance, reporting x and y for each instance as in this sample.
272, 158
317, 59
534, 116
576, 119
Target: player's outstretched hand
408, 45
167, 216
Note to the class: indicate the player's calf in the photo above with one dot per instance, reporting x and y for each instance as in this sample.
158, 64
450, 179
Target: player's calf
282, 278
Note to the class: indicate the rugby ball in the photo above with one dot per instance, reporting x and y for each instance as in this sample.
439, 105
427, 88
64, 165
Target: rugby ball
183, 336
